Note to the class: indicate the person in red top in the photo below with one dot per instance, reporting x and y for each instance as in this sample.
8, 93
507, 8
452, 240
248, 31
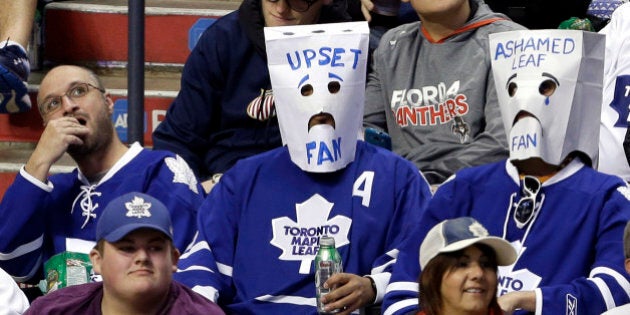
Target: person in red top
459, 269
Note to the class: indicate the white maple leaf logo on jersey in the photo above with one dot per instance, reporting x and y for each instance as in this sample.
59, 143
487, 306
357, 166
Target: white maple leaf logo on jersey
299, 240
516, 280
138, 208
182, 173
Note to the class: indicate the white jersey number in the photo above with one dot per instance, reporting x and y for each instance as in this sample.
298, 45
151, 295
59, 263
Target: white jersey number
363, 187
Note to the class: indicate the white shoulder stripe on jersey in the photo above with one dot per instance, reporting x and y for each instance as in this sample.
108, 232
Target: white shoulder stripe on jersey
24, 249
208, 292
605, 291
225, 269
400, 305
402, 286
195, 248
381, 268
297, 300
195, 268
393, 253
193, 242
623, 282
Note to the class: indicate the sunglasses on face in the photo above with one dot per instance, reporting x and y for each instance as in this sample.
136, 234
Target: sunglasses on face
530, 203
297, 5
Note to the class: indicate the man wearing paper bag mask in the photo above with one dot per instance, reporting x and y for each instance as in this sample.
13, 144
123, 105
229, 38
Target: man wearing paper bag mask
564, 218
261, 225
225, 108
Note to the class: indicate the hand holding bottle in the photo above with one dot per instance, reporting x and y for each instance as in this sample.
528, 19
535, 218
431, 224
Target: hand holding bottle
351, 292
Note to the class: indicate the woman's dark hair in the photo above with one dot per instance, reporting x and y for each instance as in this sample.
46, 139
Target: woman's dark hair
430, 280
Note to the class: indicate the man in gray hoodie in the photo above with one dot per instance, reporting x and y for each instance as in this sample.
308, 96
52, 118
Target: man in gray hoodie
432, 90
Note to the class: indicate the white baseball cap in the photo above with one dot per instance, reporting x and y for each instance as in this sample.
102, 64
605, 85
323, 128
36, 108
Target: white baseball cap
456, 234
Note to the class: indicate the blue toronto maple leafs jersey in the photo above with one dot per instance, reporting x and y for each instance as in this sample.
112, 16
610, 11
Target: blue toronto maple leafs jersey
259, 228
40, 220
571, 254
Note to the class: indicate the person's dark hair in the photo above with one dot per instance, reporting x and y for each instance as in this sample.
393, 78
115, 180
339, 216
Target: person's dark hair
430, 280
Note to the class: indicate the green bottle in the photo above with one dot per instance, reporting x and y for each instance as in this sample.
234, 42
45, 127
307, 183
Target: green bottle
327, 263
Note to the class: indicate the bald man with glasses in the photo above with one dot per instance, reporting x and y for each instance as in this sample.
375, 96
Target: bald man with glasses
43, 215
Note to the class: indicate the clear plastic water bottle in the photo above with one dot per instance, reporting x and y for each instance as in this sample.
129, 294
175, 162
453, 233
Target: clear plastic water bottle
327, 263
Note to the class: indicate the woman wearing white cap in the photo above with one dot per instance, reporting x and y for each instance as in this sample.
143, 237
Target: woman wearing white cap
459, 268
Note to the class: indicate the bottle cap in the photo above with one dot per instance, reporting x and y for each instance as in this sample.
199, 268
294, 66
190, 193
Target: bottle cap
326, 241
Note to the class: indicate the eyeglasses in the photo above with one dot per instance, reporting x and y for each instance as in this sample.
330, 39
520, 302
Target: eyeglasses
297, 5
528, 206
77, 91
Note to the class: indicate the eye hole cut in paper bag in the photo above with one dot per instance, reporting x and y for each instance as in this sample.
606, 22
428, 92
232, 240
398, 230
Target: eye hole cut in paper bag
556, 77
318, 75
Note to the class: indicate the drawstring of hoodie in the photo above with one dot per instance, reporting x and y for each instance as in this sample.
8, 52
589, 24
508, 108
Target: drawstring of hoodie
87, 205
